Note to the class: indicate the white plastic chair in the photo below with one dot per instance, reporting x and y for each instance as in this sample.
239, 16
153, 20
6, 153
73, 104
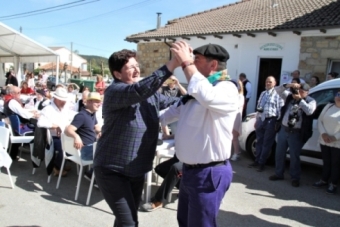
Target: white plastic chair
67, 146
163, 154
5, 159
92, 178
18, 139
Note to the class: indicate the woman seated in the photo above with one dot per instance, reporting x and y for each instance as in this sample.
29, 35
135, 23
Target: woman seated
25, 89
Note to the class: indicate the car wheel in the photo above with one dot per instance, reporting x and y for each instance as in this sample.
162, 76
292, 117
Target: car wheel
251, 145
53, 88
251, 149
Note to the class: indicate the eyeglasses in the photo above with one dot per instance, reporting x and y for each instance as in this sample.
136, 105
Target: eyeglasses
132, 66
337, 95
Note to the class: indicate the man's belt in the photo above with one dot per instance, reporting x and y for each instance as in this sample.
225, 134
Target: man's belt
210, 164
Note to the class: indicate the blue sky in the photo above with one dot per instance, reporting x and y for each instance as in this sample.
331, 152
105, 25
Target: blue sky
97, 27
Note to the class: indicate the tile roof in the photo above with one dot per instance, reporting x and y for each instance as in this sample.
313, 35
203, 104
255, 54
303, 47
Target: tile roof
52, 66
252, 16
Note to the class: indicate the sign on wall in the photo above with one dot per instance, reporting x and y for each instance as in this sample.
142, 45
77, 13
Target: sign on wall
285, 77
271, 47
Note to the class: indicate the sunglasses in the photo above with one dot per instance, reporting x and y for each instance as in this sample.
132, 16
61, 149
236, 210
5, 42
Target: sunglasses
337, 95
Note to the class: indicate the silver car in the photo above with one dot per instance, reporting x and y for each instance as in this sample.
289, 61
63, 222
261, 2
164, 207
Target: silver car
323, 94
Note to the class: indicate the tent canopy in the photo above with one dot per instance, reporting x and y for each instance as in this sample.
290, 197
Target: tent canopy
15, 44
17, 49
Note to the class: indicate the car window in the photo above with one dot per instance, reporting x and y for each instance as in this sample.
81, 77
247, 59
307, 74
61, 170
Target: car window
322, 98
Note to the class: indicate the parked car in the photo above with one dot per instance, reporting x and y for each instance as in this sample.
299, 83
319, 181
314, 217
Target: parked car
51, 83
323, 94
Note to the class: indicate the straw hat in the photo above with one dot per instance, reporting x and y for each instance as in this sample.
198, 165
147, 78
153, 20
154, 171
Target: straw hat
61, 94
94, 96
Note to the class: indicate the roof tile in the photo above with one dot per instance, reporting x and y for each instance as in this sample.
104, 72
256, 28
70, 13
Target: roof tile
251, 15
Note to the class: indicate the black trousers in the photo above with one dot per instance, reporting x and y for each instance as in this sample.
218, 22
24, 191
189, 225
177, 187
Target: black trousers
331, 164
122, 194
171, 171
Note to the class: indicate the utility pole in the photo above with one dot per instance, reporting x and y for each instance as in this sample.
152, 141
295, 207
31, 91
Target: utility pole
71, 57
102, 69
20, 29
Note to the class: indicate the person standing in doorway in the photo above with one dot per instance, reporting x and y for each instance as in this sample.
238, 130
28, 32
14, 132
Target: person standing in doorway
246, 92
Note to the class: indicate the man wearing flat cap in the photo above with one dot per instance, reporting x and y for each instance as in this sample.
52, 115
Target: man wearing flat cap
204, 133
296, 128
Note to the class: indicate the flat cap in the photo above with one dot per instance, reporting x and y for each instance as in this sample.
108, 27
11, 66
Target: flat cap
305, 87
41, 92
213, 51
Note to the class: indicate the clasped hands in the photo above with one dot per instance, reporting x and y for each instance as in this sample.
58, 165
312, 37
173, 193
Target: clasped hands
182, 52
327, 138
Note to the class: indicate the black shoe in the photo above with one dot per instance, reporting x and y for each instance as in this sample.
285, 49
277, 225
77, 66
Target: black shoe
295, 183
319, 184
331, 189
261, 168
254, 164
275, 178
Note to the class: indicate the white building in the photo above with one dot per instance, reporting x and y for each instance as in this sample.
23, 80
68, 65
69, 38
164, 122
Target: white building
263, 37
75, 64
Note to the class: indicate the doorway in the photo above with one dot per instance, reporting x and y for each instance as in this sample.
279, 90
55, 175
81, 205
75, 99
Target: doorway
268, 67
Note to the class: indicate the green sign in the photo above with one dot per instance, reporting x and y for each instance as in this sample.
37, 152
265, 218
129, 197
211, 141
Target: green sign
271, 47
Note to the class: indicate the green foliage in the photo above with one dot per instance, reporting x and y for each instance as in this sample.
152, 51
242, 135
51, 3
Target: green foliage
95, 62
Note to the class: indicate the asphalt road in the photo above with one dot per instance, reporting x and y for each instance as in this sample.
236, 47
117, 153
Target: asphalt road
252, 200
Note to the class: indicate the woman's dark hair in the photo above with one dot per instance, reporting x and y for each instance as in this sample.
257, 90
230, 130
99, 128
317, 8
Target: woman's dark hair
317, 79
118, 59
333, 74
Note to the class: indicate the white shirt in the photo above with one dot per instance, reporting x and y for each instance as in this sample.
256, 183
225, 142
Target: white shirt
248, 87
31, 83
52, 115
44, 78
329, 122
205, 124
2, 103
99, 116
45, 103
16, 107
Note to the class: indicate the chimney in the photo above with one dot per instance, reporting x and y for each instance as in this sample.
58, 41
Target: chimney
158, 20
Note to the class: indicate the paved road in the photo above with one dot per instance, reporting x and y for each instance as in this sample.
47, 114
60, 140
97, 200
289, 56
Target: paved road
252, 200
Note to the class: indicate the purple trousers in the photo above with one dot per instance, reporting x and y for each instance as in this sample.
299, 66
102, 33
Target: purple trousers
200, 195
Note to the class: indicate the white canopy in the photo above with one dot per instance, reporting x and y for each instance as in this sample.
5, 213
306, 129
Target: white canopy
17, 48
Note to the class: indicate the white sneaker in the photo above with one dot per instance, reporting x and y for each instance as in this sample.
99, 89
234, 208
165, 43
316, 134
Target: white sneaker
234, 157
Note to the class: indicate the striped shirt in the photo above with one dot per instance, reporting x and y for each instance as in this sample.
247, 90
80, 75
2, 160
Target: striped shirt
129, 134
270, 102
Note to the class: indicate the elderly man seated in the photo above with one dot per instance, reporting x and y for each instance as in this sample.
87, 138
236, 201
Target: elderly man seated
56, 117
13, 106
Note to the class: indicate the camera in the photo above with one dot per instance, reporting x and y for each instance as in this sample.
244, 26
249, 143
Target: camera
294, 91
259, 109
293, 116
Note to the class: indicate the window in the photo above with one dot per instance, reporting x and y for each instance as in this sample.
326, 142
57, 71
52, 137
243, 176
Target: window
322, 98
334, 66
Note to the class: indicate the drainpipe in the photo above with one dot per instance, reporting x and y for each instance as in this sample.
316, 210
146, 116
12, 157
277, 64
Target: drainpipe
169, 45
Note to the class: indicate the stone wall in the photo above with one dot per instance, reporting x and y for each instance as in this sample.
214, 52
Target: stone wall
151, 56
315, 54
